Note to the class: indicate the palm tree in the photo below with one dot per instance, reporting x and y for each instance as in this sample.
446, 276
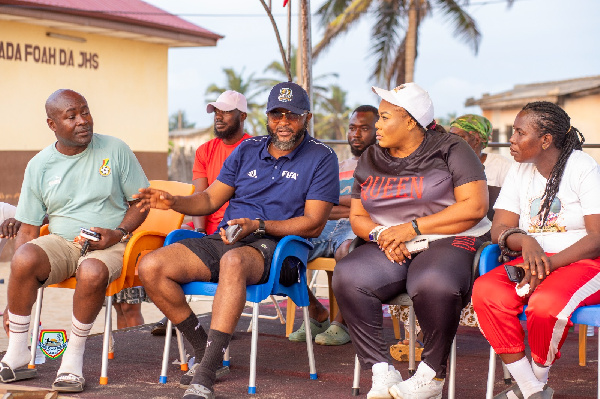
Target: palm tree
178, 120
395, 31
277, 69
251, 89
331, 114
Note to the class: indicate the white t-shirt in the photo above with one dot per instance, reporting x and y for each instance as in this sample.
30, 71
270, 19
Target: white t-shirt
496, 167
6, 211
578, 195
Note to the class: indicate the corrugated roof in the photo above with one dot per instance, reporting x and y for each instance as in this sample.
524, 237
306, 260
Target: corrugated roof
134, 12
550, 91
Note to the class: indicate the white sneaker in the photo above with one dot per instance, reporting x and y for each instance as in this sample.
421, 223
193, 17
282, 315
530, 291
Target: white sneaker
384, 376
422, 385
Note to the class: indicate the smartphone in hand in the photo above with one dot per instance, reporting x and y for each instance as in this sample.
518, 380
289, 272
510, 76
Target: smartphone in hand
232, 232
514, 273
90, 235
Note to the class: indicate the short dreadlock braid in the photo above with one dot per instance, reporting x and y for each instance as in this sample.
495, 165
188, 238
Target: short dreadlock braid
549, 118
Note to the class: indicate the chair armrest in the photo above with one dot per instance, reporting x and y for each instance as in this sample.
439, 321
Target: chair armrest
181, 234
489, 259
139, 244
357, 242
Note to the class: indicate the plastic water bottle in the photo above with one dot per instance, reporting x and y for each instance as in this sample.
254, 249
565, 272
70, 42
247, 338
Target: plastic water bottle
590, 331
40, 358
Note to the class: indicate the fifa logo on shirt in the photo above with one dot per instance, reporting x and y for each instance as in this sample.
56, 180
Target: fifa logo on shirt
105, 169
289, 175
252, 173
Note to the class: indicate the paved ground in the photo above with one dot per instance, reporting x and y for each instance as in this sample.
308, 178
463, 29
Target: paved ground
283, 367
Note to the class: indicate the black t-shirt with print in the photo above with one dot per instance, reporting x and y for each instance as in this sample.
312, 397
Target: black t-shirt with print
397, 190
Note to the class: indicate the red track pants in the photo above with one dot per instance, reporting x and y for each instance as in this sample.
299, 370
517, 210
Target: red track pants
549, 307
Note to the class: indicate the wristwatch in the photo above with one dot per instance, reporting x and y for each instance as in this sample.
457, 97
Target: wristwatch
125, 234
374, 234
261, 228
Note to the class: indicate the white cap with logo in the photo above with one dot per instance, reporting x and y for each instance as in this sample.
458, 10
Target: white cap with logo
228, 101
412, 98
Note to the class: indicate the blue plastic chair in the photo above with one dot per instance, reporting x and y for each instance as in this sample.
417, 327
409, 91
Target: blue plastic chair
289, 246
588, 315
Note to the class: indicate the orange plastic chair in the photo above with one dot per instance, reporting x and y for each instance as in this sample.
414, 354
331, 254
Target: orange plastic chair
149, 236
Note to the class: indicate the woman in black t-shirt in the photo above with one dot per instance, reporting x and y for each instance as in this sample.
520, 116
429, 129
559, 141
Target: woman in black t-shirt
416, 185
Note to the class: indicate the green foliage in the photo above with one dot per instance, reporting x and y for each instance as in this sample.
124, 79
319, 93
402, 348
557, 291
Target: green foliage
174, 121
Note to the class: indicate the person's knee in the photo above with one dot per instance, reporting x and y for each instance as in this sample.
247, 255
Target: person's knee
480, 296
232, 266
541, 306
92, 274
342, 250
150, 267
25, 261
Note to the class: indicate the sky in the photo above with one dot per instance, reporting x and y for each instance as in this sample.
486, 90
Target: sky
532, 41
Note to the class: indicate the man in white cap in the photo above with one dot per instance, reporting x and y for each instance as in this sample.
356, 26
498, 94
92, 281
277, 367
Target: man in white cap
230, 111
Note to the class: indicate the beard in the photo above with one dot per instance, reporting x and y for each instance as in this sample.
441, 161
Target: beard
357, 152
291, 143
230, 131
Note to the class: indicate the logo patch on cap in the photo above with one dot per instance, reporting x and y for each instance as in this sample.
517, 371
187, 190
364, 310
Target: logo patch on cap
285, 95
397, 89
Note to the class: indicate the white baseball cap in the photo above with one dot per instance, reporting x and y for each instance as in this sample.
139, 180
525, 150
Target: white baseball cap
412, 98
228, 101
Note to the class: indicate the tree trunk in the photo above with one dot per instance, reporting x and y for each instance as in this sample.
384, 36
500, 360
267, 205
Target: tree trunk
306, 53
411, 40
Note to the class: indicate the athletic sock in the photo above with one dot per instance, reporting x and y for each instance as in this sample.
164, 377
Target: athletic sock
17, 354
195, 334
216, 346
72, 359
541, 373
523, 374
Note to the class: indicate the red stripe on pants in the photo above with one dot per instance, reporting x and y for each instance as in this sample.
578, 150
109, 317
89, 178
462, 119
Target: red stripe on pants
497, 306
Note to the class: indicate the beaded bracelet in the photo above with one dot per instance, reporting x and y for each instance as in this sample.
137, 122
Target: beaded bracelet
507, 253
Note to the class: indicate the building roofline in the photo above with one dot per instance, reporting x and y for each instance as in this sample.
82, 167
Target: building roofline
172, 31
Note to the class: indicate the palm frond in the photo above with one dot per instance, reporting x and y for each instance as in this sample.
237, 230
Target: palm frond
330, 10
465, 27
386, 34
344, 21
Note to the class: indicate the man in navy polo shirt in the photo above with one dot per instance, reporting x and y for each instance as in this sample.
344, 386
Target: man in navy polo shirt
277, 185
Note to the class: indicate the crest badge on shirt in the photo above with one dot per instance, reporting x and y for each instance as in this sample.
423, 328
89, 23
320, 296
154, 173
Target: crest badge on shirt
105, 169
285, 95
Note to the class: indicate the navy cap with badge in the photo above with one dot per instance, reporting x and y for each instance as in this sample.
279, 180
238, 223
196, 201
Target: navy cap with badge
290, 96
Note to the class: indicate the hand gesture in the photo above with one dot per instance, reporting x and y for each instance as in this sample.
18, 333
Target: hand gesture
248, 226
108, 238
153, 198
534, 258
9, 228
391, 242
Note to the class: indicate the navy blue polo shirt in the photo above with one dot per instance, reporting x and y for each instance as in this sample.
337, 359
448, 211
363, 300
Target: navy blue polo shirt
276, 189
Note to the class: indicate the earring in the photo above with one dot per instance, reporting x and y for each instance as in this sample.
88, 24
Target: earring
544, 147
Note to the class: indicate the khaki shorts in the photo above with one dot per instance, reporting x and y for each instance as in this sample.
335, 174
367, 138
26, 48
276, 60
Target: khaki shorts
65, 258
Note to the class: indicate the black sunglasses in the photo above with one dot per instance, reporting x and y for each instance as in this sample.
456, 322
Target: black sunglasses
276, 116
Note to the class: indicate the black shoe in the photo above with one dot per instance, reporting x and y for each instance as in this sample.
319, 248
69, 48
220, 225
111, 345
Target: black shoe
160, 328
186, 379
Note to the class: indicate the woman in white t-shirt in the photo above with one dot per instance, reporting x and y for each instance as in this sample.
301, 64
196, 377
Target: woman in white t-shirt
550, 215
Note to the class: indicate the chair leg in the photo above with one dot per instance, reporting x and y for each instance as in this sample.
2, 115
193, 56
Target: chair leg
35, 333
182, 358
598, 366
226, 359
507, 376
165, 362
278, 309
253, 349
290, 316
396, 323
412, 341
582, 344
106, 340
452, 373
356, 381
309, 345
489, 393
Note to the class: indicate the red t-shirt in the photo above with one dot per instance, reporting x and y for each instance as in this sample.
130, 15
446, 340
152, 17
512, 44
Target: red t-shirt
209, 160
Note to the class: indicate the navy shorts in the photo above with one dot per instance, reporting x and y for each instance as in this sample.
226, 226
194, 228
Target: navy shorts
210, 249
